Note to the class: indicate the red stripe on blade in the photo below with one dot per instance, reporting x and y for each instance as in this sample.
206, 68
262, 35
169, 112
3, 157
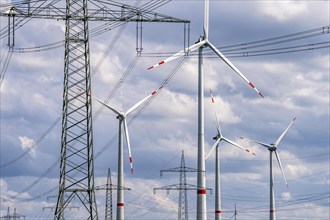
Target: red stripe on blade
218, 211
161, 62
250, 83
120, 204
130, 159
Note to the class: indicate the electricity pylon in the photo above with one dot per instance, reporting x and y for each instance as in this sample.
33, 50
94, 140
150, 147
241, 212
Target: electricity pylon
77, 158
108, 197
14, 216
182, 187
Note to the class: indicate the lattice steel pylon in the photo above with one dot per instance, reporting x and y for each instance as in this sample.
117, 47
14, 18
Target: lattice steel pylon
77, 159
108, 187
108, 198
183, 186
13, 216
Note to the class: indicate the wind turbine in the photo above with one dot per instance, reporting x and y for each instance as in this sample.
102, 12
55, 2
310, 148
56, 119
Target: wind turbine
121, 116
215, 146
273, 149
200, 45
235, 213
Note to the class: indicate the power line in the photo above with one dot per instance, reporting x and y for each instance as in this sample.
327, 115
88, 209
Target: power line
242, 50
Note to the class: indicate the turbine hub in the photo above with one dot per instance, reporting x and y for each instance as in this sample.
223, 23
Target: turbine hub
272, 148
216, 137
120, 117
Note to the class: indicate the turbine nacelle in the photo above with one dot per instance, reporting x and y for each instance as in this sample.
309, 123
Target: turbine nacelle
217, 137
272, 147
121, 116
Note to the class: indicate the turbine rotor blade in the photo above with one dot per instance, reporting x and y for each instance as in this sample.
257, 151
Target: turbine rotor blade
216, 116
179, 54
138, 104
279, 162
212, 98
263, 144
258, 142
213, 147
282, 135
106, 105
239, 146
128, 145
206, 19
142, 101
231, 65
101, 102
218, 124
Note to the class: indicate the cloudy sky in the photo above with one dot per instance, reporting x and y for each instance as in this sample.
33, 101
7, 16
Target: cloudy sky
281, 46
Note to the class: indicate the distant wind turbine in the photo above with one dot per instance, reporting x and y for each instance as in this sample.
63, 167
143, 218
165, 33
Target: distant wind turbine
235, 213
200, 45
121, 116
218, 139
273, 149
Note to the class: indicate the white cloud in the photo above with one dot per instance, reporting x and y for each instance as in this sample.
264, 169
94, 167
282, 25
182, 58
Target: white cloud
8, 196
286, 196
28, 144
283, 10
239, 177
175, 105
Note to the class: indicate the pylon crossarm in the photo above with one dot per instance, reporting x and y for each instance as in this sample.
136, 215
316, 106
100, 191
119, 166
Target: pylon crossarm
179, 187
111, 187
179, 169
130, 14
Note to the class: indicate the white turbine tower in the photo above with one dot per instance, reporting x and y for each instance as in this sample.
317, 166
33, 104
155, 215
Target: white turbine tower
121, 116
273, 149
218, 139
200, 45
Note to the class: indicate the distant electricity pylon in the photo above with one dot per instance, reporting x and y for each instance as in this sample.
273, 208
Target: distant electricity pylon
77, 159
182, 187
108, 197
13, 216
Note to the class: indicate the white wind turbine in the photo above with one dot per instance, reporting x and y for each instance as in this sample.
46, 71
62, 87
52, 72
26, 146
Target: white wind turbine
200, 45
218, 139
273, 149
121, 116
